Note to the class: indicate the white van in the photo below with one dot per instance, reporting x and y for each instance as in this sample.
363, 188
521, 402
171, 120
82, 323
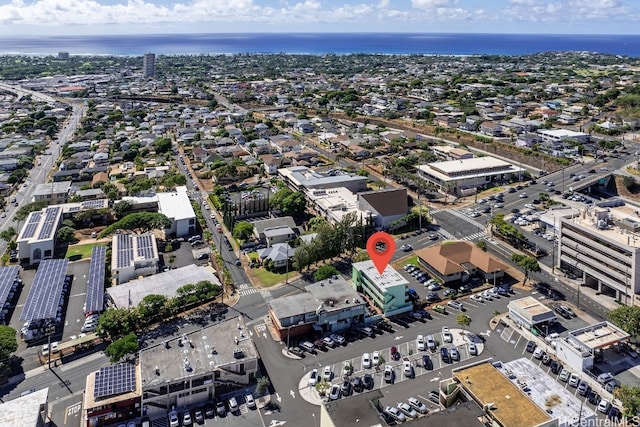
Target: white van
538, 353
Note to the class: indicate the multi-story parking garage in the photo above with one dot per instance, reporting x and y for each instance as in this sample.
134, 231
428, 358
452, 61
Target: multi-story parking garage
602, 246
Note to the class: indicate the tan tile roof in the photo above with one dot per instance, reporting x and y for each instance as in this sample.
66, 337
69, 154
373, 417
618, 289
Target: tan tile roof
449, 257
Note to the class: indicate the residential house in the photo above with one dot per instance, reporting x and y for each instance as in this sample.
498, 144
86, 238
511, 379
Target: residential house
279, 254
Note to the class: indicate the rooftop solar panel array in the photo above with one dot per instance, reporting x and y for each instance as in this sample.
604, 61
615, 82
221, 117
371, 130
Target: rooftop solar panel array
51, 214
44, 296
115, 379
7, 276
125, 250
31, 225
145, 246
95, 287
92, 204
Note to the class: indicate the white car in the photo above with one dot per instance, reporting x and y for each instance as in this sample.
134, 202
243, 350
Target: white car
473, 350
366, 361
407, 369
250, 401
337, 338
420, 344
173, 419
328, 342
446, 334
477, 297
604, 406
418, 405
406, 409
347, 368
327, 374
431, 342
395, 413
376, 358
313, 379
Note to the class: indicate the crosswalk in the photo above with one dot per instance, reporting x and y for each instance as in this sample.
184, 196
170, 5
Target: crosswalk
467, 218
246, 289
475, 236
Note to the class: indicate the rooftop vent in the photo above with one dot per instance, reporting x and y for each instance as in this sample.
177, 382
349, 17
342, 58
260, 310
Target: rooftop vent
238, 353
187, 365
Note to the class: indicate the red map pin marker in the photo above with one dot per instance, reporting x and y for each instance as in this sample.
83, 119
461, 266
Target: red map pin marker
381, 247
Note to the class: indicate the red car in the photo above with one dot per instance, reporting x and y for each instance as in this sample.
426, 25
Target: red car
395, 355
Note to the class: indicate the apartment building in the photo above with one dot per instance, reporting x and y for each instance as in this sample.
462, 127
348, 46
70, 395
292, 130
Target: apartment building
387, 291
602, 247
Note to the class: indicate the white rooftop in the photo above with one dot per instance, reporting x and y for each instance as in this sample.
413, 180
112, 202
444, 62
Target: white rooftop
388, 279
176, 205
468, 168
24, 411
131, 293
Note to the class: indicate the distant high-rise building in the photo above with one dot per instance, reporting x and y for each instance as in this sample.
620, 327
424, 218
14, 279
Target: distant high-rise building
149, 64
63, 55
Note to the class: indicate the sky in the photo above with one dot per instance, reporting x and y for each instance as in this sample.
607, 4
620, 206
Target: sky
78, 17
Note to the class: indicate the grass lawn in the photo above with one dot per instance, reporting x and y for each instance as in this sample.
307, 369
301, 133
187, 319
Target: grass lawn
80, 251
413, 259
268, 278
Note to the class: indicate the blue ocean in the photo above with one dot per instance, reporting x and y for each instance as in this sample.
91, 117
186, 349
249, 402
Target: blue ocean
322, 43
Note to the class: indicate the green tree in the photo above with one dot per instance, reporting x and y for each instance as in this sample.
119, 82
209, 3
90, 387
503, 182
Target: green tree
139, 223
162, 145
627, 318
8, 234
316, 222
527, 263
482, 244
25, 210
629, 396
66, 235
325, 272
122, 208
116, 323
151, 307
242, 231
122, 347
8, 342
262, 385
463, 319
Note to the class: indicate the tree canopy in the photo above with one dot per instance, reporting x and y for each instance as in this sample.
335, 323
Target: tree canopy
8, 342
289, 202
122, 347
242, 230
627, 318
24, 211
527, 263
117, 322
139, 223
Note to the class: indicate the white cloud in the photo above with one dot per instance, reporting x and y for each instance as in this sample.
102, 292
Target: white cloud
431, 4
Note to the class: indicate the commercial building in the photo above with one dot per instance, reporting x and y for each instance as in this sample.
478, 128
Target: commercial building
328, 306
303, 179
531, 313
187, 371
466, 176
53, 193
30, 410
167, 283
112, 396
557, 135
149, 64
578, 349
602, 248
457, 262
133, 255
37, 238
519, 394
387, 291
177, 207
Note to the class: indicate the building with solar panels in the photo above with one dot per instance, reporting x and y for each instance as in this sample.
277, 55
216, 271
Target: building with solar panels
112, 395
133, 255
177, 207
187, 371
37, 239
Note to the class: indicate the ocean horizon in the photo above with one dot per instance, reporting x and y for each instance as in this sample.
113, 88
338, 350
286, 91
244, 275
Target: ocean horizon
322, 44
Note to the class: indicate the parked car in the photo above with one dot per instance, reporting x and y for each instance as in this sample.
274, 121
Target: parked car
444, 355
434, 396
367, 381
564, 375
313, 379
395, 354
406, 409
407, 369
375, 358
339, 339
473, 349
388, 374
538, 353
334, 392
327, 375
604, 406
593, 397
574, 380
420, 343
173, 419
453, 353
446, 335
250, 401
583, 388
431, 343
605, 378
356, 384
426, 362
395, 413
366, 361
531, 346
345, 389
457, 305
418, 405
